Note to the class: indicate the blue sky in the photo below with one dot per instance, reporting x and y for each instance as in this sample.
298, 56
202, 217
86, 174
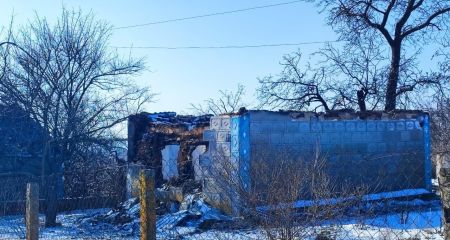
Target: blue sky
189, 76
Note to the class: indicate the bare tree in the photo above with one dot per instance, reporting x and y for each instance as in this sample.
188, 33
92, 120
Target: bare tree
228, 102
341, 78
68, 80
397, 23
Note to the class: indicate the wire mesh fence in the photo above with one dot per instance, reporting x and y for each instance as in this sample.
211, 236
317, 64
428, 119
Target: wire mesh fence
93, 205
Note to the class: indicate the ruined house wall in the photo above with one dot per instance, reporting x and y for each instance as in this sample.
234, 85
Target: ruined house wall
164, 142
386, 152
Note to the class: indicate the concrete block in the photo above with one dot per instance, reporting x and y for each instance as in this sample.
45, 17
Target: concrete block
260, 139
372, 148
400, 125
359, 137
390, 126
360, 148
409, 125
316, 127
382, 147
346, 137
350, 126
391, 136
226, 122
400, 147
276, 138
405, 136
371, 126
304, 126
215, 123
292, 126
292, 138
391, 147
328, 126
278, 126
223, 136
224, 148
339, 126
374, 136
361, 126
381, 126
416, 135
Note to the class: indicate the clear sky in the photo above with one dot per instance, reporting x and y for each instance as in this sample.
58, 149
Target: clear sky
189, 76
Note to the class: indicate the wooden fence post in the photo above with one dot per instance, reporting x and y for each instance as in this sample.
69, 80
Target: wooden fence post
148, 204
443, 172
32, 211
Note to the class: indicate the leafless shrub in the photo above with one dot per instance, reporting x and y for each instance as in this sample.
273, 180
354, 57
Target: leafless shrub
288, 196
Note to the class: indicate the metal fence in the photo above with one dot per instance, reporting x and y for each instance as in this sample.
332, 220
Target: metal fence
94, 208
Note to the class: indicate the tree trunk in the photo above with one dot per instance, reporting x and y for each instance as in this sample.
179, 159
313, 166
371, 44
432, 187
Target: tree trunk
443, 173
361, 100
391, 90
50, 185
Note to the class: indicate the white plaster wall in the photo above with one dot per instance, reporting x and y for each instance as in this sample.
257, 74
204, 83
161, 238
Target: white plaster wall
169, 161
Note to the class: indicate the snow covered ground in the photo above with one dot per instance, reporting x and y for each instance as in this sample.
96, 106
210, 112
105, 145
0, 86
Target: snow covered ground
423, 223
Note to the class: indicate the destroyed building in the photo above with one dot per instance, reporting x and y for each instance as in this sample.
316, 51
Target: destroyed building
387, 152
166, 142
